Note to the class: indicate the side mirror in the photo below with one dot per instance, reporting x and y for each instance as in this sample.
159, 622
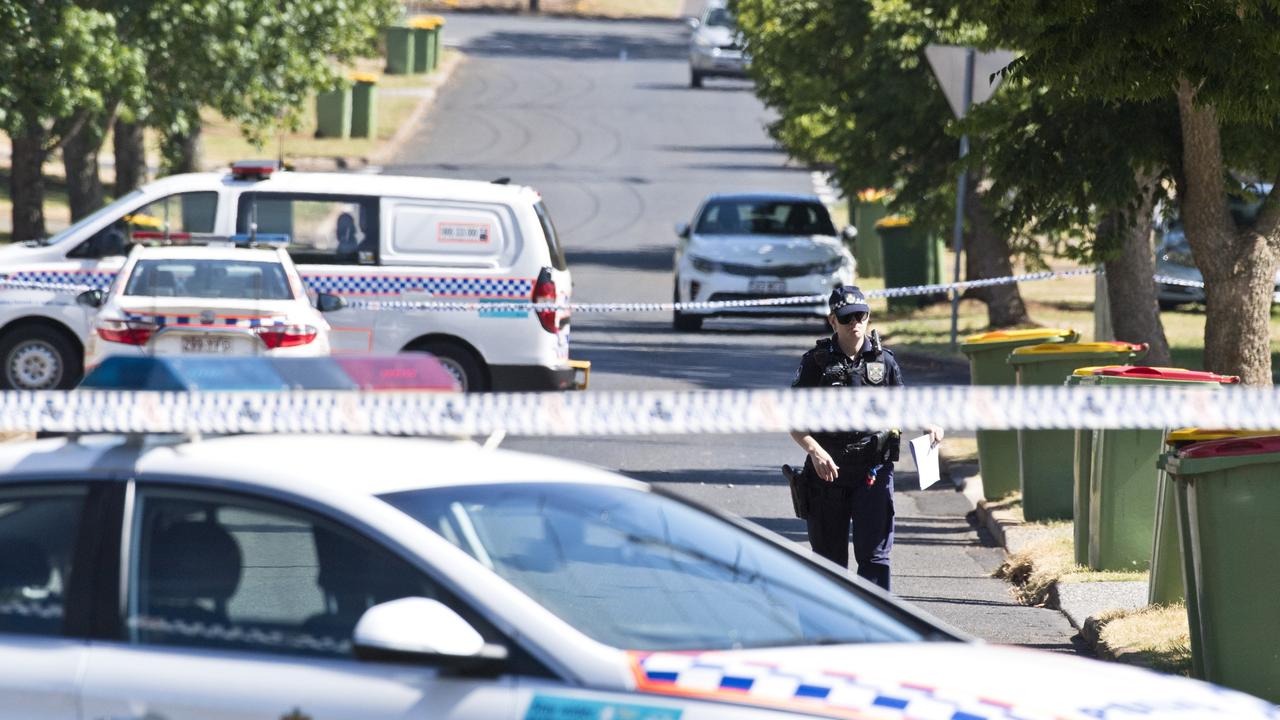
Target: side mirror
91, 298
683, 230
849, 233
692, 22
418, 629
328, 302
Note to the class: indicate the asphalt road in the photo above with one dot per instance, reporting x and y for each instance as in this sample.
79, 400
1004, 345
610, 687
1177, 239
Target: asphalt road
598, 116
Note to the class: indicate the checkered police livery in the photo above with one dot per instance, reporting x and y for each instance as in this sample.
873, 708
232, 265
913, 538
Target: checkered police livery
505, 288
86, 279
805, 689
208, 321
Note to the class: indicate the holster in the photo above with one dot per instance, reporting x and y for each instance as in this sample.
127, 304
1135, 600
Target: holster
799, 490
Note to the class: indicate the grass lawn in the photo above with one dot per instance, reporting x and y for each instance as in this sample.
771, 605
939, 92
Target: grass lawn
398, 96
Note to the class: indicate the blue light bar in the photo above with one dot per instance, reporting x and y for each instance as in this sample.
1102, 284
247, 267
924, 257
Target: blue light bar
261, 240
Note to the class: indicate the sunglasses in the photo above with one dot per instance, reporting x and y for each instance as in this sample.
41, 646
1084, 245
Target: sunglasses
858, 316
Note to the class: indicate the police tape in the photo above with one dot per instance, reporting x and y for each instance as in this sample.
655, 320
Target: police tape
499, 306
642, 412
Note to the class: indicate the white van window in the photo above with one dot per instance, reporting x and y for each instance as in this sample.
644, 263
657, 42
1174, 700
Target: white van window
322, 229
114, 209
553, 239
193, 212
432, 229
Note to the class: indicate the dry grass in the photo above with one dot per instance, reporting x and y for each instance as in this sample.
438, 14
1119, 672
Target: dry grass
1156, 636
1049, 559
959, 450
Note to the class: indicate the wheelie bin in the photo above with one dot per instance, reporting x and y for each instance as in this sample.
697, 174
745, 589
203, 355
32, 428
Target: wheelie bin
988, 365
400, 50
1045, 457
1231, 489
1122, 479
912, 256
1081, 464
867, 211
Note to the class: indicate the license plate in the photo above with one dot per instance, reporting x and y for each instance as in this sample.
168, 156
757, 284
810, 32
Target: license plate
767, 287
202, 344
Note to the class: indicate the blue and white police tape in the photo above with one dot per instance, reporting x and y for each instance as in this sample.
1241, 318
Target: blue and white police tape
642, 413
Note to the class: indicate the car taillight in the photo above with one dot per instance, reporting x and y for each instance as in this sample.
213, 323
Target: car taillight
544, 291
129, 332
283, 336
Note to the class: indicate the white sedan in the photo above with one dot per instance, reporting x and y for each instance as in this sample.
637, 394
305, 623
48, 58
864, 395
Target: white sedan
759, 246
355, 577
216, 298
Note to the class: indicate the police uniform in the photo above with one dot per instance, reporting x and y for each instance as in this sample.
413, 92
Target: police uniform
862, 493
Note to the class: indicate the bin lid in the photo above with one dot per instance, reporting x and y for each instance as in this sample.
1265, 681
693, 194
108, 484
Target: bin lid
1091, 369
1232, 447
1075, 350
1196, 435
1144, 372
997, 338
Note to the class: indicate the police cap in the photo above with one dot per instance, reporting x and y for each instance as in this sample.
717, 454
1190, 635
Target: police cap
846, 300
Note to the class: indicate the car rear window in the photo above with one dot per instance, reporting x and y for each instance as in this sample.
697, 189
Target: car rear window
641, 571
553, 240
209, 279
764, 217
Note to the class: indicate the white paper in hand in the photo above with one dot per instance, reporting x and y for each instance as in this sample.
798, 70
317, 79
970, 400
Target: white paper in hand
925, 455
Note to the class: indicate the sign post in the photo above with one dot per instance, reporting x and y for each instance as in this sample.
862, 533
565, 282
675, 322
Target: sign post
957, 70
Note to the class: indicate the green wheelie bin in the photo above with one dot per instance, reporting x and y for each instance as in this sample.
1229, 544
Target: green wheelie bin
1231, 490
1122, 479
912, 256
400, 50
1081, 464
1045, 457
988, 365
869, 210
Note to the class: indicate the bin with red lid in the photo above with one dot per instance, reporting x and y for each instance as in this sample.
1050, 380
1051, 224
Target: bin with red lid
1123, 472
988, 365
1231, 498
1045, 467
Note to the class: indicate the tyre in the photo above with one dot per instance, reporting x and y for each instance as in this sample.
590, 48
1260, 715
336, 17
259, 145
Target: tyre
695, 79
461, 363
684, 322
39, 358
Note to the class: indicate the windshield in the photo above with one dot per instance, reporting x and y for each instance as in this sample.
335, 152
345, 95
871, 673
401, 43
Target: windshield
719, 17
770, 217
641, 571
116, 208
233, 279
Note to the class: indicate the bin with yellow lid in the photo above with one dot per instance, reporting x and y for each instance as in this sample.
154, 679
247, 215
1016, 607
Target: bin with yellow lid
426, 44
1230, 492
1122, 478
364, 105
988, 365
1046, 472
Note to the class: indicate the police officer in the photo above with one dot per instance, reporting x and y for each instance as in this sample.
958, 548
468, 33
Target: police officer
850, 474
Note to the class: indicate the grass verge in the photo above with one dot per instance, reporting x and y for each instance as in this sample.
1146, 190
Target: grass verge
1155, 637
1048, 560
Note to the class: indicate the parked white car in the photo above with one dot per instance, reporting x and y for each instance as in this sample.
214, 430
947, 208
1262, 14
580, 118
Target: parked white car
757, 246
349, 577
369, 238
715, 46
210, 299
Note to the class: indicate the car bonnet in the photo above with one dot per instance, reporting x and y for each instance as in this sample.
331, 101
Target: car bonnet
927, 680
758, 249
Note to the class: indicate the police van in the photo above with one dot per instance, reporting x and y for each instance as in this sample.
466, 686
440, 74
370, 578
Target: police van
368, 238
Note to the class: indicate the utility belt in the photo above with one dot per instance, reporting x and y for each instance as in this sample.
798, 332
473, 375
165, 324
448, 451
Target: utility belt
858, 456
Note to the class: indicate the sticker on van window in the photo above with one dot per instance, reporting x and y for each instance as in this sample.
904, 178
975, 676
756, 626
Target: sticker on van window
461, 232
554, 707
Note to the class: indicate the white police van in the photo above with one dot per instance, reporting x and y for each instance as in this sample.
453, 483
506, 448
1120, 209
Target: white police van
363, 237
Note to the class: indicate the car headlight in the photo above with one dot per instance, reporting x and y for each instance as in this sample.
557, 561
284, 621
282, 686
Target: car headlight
703, 264
828, 267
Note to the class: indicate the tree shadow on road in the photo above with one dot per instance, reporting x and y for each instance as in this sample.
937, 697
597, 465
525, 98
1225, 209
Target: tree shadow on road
577, 46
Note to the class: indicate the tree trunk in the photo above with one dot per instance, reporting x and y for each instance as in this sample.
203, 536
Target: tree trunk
131, 156
26, 184
1131, 291
987, 256
1238, 265
80, 160
182, 153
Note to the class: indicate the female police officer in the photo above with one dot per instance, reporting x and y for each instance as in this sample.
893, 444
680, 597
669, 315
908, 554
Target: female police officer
850, 474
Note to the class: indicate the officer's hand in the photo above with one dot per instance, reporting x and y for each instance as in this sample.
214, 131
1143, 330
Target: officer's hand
935, 434
824, 465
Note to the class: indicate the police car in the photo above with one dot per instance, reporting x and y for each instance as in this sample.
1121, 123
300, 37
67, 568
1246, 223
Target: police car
356, 577
238, 296
409, 249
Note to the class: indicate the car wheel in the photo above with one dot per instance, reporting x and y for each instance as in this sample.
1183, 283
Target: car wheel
684, 322
695, 79
39, 358
461, 363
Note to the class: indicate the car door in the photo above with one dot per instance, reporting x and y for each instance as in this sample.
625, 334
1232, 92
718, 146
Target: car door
39, 570
242, 607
